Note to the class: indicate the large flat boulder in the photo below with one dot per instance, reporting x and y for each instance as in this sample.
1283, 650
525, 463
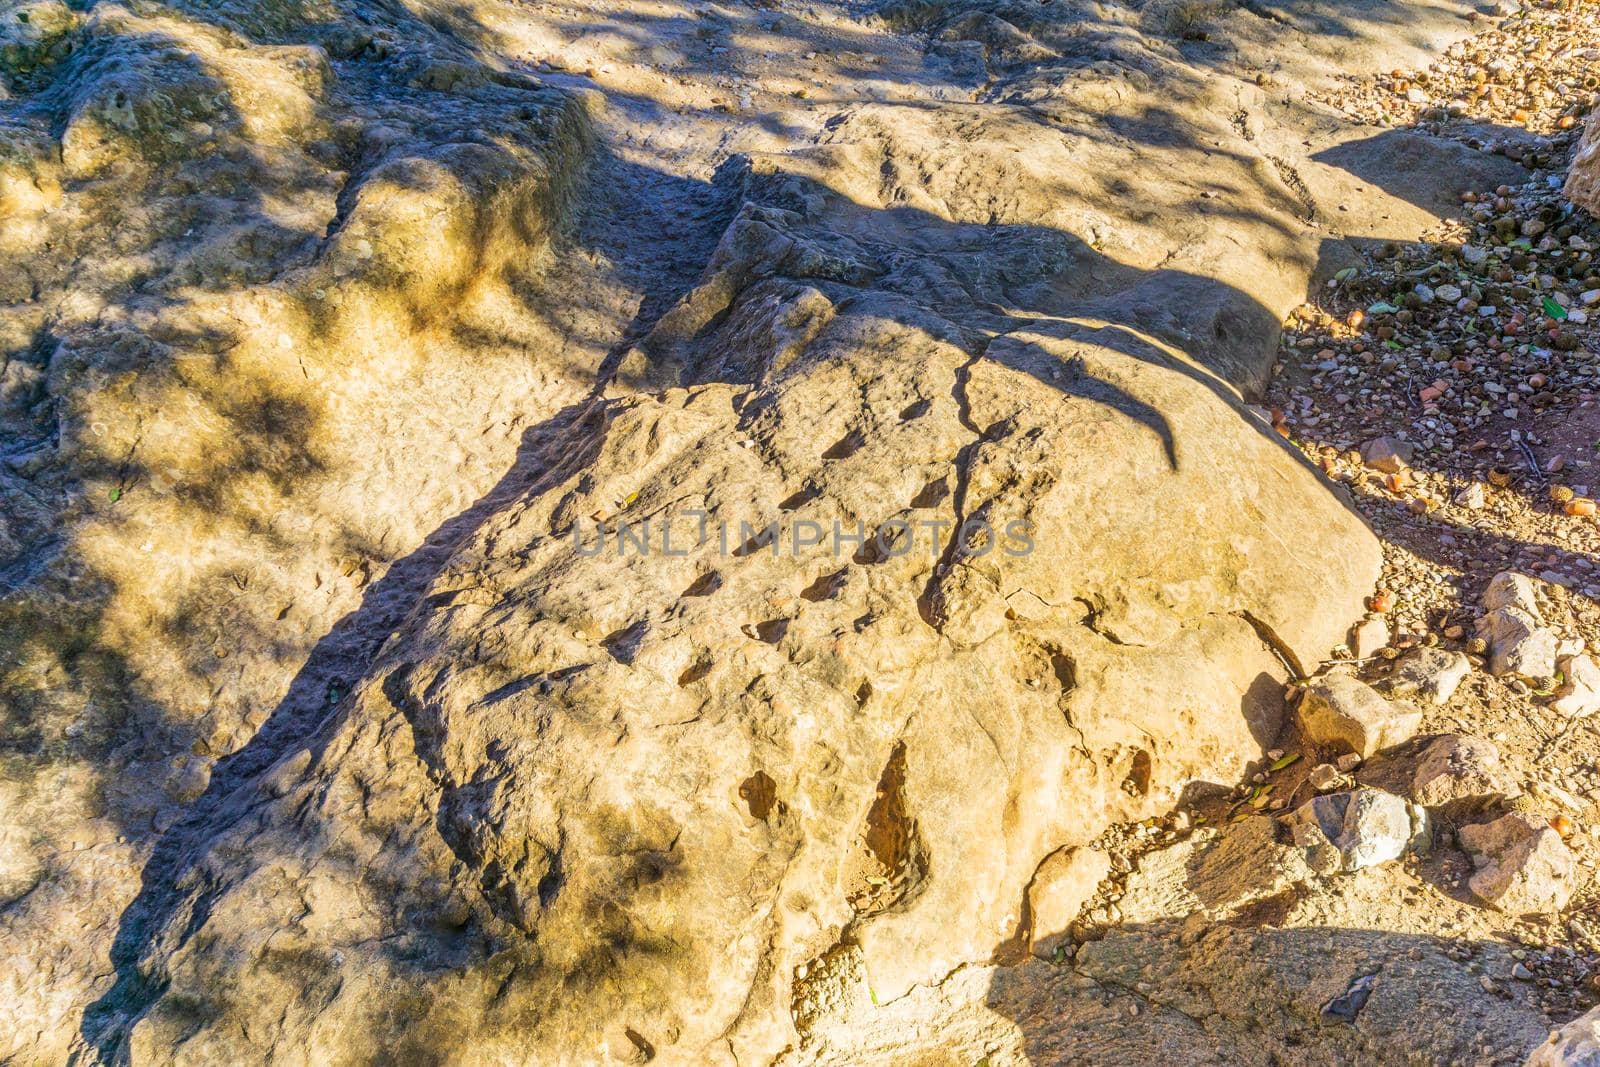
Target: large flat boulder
924, 534
703, 782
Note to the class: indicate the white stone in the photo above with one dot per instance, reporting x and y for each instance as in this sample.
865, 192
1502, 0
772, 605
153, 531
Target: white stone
1509, 589
1579, 695
1518, 645
1576, 1044
1523, 866
1473, 497
1460, 770
1388, 454
1365, 827
1433, 674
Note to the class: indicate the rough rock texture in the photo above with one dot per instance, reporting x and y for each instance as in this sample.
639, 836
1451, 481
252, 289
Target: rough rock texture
1368, 636
1387, 454
1343, 712
748, 750
1519, 642
1508, 589
1463, 771
1433, 674
1522, 864
1361, 828
255, 264
1202, 991
680, 804
674, 780
1213, 872
1576, 1044
1065, 881
1583, 180
1579, 695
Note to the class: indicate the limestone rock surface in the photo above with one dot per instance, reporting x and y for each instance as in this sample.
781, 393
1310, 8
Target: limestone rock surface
1360, 828
1583, 179
1065, 881
1579, 693
398, 654
1432, 674
1522, 864
1343, 712
1460, 770
1577, 1044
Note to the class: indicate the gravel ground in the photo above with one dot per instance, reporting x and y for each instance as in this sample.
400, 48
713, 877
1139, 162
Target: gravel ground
1477, 349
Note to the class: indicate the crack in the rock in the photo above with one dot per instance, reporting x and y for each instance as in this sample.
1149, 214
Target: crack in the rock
1275, 644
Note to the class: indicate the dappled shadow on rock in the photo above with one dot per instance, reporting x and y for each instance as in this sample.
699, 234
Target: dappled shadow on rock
594, 805
297, 731
1429, 171
264, 328
604, 772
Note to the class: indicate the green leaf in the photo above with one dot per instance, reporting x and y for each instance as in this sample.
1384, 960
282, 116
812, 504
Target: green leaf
1382, 308
116, 494
1345, 275
1550, 688
1391, 345
1280, 764
1553, 309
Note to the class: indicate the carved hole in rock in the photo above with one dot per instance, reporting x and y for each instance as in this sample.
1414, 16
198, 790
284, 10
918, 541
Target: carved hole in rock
1268, 911
1137, 783
761, 539
694, 672
760, 794
823, 588
772, 630
1066, 671
931, 494
623, 644
880, 546
846, 446
550, 885
647, 1051
891, 864
800, 499
917, 410
651, 867
827, 982
705, 585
